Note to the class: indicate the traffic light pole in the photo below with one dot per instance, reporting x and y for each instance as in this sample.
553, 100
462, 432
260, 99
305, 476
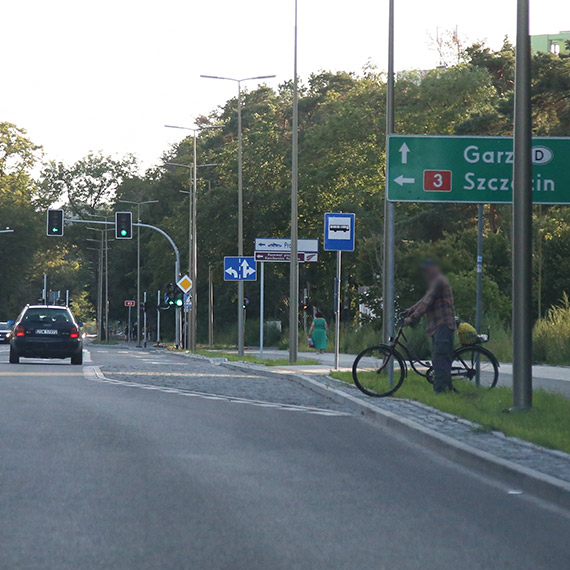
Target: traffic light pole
176, 262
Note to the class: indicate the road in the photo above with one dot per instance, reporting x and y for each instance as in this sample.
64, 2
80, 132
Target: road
146, 460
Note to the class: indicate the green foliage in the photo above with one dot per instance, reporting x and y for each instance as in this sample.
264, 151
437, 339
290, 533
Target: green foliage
342, 163
552, 335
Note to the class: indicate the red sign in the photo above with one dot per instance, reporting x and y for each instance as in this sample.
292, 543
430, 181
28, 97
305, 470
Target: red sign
437, 180
130, 303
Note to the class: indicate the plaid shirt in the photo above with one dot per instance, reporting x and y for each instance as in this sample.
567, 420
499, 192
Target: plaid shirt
437, 305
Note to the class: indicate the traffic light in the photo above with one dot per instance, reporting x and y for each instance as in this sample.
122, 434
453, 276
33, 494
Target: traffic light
54, 223
245, 303
123, 225
170, 295
179, 299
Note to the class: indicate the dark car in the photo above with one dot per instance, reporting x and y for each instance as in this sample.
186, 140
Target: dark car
5, 328
45, 331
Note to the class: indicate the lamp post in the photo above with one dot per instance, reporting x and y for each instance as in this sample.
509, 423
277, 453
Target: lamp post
192, 321
294, 263
240, 197
138, 205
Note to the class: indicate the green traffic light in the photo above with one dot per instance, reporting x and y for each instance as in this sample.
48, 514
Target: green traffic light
179, 302
123, 233
55, 230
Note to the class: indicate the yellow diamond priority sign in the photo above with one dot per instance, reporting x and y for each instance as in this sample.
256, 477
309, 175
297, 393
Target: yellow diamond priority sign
185, 284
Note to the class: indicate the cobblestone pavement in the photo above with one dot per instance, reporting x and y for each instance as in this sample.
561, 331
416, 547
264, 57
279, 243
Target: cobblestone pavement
551, 462
160, 368
175, 371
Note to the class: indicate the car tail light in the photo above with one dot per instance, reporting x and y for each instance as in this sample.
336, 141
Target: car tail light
74, 333
20, 330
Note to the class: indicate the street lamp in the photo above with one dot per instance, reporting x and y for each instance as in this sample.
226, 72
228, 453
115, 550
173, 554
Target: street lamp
192, 239
240, 197
294, 262
138, 205
192, 230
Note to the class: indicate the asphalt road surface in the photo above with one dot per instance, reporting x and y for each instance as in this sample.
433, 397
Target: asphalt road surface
145, 460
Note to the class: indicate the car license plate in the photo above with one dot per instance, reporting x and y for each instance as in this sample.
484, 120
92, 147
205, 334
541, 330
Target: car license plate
46, 331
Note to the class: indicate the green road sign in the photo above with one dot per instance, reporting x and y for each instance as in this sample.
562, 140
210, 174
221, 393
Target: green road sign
473, 169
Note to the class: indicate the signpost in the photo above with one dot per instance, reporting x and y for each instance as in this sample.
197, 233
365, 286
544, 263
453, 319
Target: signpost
473, 169
339, 237
278, 250
240, 269
130, 303
185, 284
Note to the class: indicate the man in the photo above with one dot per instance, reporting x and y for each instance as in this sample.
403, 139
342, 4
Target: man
437, 305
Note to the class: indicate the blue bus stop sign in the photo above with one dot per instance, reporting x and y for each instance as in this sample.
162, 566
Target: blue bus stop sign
339, 232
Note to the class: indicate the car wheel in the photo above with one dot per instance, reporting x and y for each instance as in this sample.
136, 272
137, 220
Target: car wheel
14, 357
77, 358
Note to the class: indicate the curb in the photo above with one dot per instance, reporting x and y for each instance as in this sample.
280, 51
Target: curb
528, 480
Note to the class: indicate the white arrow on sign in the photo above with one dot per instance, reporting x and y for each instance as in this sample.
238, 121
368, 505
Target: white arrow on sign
232, 272
404, 150
401, 180
246, 269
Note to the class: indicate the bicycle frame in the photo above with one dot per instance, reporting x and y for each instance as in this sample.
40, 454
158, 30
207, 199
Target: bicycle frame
396, 343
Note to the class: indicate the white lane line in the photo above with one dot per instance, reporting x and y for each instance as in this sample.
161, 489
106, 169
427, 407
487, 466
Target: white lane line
87, 357
93, 373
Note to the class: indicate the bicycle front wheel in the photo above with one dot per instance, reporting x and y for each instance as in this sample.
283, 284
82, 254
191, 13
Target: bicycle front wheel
470, 362
370, 371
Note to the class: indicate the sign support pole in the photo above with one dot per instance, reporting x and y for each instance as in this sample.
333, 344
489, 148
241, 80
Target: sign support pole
479, 295
158, 317
522, 217
389, 214
337, 303
144, 319
129, 327
210, 307
261, 308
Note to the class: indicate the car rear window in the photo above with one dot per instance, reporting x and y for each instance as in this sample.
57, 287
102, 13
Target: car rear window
46, 316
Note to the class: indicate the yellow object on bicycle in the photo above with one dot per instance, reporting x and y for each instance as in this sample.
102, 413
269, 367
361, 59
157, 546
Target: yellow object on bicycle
467, 334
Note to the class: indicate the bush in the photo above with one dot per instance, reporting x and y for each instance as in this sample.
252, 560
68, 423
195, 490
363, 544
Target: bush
551, 343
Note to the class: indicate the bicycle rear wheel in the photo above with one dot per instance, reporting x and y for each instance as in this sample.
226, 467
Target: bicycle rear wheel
468, 361
370, 371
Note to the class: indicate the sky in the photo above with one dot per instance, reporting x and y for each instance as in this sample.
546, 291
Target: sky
84, 76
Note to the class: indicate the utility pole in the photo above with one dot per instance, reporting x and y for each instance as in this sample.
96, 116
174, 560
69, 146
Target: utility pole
522, 217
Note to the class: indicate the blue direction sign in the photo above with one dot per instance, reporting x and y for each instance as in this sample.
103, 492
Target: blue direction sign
339, 232
240, 269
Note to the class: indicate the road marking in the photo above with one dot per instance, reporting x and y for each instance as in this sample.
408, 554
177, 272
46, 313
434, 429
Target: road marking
182, 374
93, 373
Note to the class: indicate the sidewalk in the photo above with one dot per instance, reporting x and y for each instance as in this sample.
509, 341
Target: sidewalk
548, 378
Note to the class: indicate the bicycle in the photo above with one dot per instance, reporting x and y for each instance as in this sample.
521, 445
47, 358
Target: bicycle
371, 367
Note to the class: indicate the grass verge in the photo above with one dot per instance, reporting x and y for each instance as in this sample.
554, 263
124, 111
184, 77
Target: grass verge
254, 359
547, 424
